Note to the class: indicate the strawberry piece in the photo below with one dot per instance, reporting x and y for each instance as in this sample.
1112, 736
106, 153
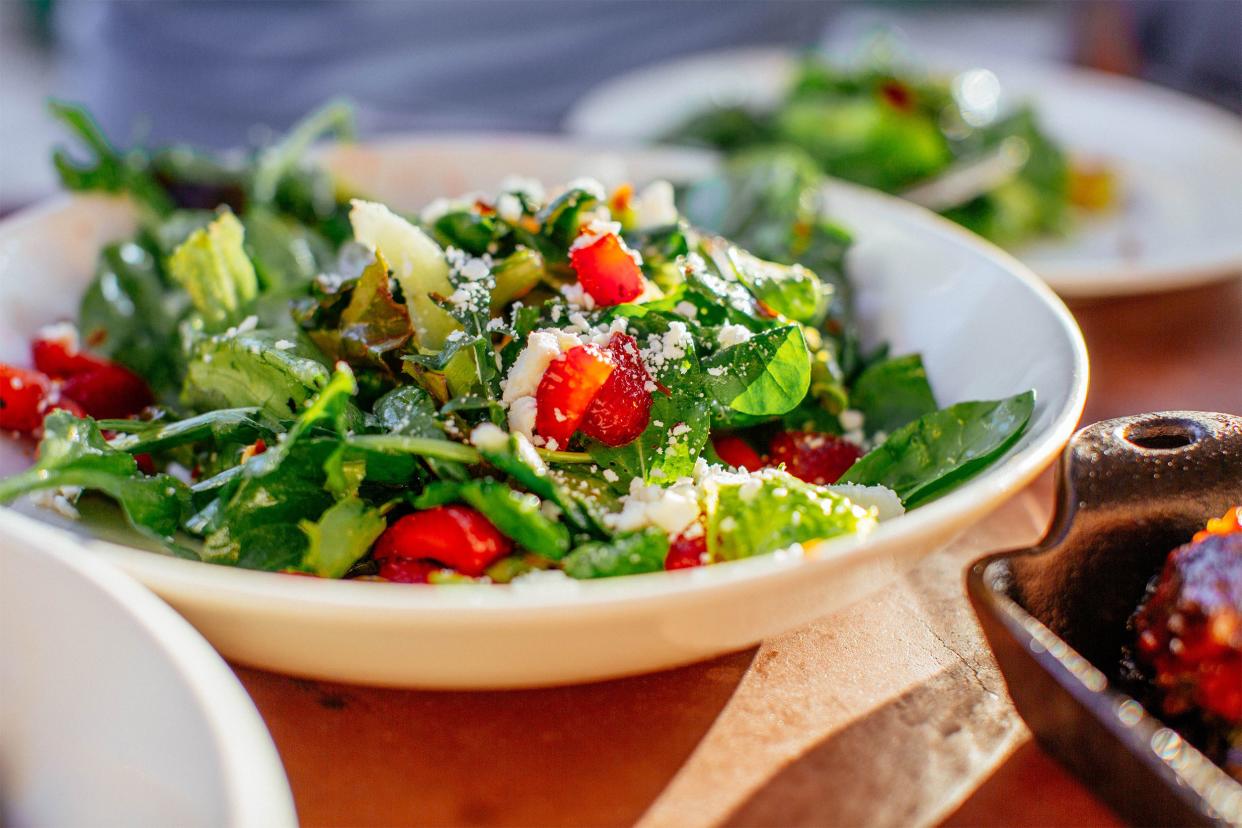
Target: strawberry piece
812, 456
607, 271
565, 393
56, 353
24, 398
684, 553
622, 408
737, 452
455, 535
407, 570
108, 392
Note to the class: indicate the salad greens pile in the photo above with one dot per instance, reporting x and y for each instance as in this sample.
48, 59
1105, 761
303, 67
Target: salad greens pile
503, 386
895, 129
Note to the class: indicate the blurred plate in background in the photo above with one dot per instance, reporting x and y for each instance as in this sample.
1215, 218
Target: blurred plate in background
1178, 160
114, 710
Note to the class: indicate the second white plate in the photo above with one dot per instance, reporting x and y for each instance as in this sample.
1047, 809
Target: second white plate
1179, 160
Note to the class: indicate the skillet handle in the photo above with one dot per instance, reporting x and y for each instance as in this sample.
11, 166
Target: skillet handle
1171, 468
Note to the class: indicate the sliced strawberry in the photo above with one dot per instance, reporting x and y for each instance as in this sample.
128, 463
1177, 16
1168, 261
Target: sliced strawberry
24, 398
737, 452
407, 570
455, 535
57, 353
565, 393
607, 271
684, 553
812, 456
108, 392
622, 408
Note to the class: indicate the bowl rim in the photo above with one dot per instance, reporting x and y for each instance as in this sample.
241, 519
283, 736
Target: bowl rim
251, 772
192, 580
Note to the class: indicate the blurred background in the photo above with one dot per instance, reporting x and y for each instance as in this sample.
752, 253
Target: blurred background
212, 71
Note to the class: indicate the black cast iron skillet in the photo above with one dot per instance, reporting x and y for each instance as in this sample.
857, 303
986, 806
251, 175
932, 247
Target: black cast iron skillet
1128, 491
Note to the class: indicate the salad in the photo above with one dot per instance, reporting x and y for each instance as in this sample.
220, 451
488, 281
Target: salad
942, 143
280, 375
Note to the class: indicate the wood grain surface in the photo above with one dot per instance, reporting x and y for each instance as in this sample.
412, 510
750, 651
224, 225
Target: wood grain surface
888, 713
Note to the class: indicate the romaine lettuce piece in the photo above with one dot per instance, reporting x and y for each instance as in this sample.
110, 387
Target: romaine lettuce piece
215, 271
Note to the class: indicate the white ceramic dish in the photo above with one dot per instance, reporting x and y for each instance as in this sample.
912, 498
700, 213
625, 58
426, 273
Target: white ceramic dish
986, 326
114, 710
1179, 161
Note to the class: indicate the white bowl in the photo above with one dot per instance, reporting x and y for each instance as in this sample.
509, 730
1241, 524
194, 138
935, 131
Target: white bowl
1178, 160
114, 710
986, 326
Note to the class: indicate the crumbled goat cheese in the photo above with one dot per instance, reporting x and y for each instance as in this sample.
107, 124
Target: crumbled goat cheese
509, 208
731, 335
610, 475
63, 332
851, 420
590, 185
284, 345
686, 309
542, 346
489, 437
884, 500
594, 231
577, 297
655, 206
522, 418
673, 508
550, 510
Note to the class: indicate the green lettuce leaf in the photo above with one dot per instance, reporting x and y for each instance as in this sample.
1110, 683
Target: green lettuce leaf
629, 554
274, 372
340, 537
215, 271
743, 522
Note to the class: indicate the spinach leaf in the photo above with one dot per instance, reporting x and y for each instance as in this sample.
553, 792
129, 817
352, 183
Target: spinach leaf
940, 450
792, 291
766, 375
784, 511
74, 453
262, 369
892, 392
408, 410
629, 554
342, 535
129, 316
559, 222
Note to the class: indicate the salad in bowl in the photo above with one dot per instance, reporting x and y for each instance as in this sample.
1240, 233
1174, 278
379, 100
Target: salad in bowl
532, 383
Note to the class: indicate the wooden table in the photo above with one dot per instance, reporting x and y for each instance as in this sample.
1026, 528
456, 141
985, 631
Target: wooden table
891, 712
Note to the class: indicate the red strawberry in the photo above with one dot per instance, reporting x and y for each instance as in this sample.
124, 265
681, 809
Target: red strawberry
455, 535
607, 271
684, 553
406, 570
24, 398
565, 393
622, 408
813, 456
737, 452
56, 353
108, 392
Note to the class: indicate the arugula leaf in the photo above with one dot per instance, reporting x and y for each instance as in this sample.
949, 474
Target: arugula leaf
214, 269
74, 453
111, 172
892, 392
341, 537
253, 369
766, 375
223, 425
784, 511
128, 315
629, 554
940, 450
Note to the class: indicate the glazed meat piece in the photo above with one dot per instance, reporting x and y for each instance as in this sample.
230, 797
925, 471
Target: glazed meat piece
1190, 629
